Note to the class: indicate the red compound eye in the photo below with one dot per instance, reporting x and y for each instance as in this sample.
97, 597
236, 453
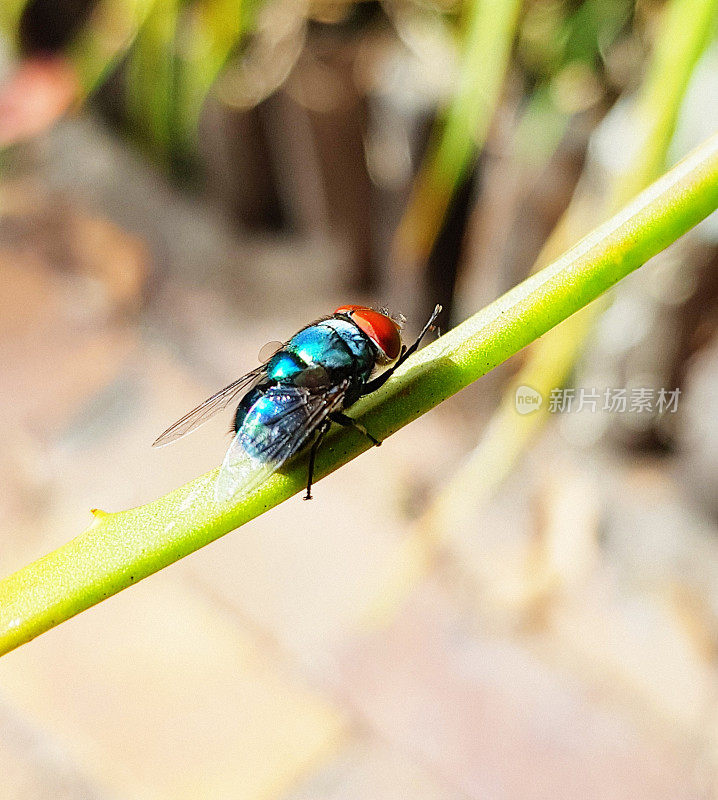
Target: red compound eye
382, 330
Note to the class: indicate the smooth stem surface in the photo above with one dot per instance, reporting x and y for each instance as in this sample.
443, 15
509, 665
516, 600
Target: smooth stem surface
122, 548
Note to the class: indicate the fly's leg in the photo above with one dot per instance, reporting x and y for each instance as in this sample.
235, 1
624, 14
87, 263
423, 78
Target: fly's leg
312, 456
372, 386
430, 323
348, 422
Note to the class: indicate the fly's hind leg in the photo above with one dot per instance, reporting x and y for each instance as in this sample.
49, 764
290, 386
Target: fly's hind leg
348, 422
312, 457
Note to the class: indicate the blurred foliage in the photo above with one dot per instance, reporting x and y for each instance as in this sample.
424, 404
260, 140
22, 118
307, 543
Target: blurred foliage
555, 36
171, 52
564, 55
487, 35
640, 155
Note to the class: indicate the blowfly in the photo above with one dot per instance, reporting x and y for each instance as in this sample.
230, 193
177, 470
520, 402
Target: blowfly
294, 396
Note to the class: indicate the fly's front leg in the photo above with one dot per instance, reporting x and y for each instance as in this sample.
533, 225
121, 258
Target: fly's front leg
372, 386
348, 422
312, 457
432, 319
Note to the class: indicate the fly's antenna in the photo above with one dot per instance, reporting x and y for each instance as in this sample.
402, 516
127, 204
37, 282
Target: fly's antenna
400, 319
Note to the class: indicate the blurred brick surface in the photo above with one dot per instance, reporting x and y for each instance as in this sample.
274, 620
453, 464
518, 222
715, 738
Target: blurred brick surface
34, 765
159, 694
52, 357
369, 767
487, 716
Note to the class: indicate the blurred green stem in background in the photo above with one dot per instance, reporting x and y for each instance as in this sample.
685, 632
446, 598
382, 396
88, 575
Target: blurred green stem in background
175, 48
490, 27
150, 78
211, 32
178, 51
561, 54
684, 32
110, 31
121, 548
10, 13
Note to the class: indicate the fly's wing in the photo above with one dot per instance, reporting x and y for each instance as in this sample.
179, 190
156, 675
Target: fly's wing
277, 426
267, 350
212, 405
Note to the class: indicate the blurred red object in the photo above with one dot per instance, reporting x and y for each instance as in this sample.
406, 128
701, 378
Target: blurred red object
37, 94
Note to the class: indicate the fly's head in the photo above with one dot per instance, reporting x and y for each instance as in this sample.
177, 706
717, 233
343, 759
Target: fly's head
383, 331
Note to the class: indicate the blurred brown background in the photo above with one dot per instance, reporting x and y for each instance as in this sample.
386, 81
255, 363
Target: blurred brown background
416, 631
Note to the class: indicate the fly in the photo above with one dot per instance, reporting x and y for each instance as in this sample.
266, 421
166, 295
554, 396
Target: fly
300, 389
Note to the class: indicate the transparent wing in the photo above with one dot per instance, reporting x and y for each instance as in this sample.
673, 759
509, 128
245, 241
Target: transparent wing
268, 350
198, 416
300, 413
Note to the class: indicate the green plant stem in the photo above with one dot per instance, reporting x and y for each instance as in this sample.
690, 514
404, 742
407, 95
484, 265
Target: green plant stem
105, 38
121, 548
214, 30
489, 32
10, 13
150, 81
